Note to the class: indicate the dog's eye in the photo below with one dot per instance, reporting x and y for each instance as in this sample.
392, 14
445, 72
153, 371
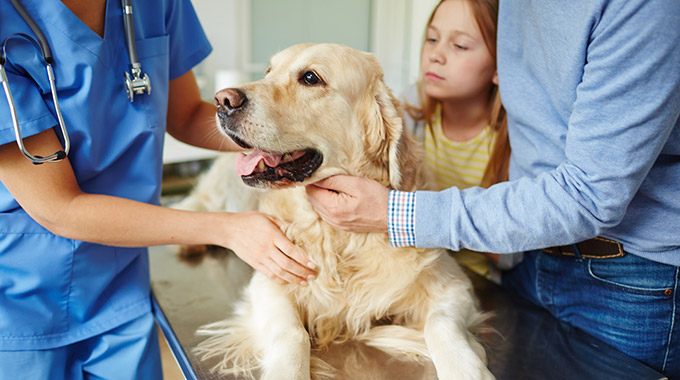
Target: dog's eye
310, 79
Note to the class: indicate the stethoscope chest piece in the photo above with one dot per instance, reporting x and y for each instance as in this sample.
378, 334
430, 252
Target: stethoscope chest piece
135, 81
136, 84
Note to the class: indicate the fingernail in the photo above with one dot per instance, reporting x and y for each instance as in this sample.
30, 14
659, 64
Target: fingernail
311, 265
303, 283
311, 277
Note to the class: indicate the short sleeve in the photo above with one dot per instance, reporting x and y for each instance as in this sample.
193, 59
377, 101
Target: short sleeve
188, 43
32, 112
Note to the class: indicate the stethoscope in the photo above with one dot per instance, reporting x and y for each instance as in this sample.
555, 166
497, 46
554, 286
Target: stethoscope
135, 81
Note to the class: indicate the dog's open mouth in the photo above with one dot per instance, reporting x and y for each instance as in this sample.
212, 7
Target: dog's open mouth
263, 168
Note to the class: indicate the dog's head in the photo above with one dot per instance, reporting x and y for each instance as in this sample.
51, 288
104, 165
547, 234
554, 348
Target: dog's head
321, 110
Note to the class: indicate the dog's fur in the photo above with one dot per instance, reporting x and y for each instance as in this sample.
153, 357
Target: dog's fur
405, 301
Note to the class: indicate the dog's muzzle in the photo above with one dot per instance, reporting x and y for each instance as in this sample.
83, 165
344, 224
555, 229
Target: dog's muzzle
230, 103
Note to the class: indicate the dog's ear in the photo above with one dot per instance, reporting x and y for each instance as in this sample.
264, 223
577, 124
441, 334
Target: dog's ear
389, 142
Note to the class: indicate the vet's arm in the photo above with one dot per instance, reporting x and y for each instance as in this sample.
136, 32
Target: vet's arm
50, 194
191, 120
350, 203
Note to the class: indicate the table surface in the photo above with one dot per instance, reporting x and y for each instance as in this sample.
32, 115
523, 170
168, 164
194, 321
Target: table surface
528, 342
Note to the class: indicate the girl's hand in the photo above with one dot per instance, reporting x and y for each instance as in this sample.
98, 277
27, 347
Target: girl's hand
350, 203
257, 239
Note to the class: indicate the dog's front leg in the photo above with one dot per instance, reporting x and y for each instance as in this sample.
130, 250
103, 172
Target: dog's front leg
455, 351
281, 336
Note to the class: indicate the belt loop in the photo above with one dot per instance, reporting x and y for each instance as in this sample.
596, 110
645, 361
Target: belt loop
577, 252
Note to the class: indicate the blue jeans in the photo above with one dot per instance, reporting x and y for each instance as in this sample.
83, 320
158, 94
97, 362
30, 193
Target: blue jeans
629, 302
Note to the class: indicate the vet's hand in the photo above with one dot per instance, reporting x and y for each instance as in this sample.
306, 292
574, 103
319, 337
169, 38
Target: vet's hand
350, 203
257, 239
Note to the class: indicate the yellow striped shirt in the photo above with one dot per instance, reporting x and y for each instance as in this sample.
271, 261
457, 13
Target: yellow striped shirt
460, 164
457, 163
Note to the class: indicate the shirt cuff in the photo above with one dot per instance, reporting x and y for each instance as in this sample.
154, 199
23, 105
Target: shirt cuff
401, 217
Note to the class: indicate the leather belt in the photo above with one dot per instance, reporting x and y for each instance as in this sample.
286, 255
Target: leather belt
595, 248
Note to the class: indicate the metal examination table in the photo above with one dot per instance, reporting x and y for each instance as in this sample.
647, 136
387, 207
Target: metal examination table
530, 343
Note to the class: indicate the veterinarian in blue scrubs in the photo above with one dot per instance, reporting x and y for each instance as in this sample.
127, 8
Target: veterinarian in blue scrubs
74, 284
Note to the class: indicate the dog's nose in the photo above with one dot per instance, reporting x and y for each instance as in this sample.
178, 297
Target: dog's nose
231, 99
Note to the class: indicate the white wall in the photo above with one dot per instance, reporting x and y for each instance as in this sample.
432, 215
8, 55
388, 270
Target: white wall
397, 34
390, 40
420, 13
224, 22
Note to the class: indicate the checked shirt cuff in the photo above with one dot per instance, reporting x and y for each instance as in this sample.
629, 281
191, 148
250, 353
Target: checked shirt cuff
401, 218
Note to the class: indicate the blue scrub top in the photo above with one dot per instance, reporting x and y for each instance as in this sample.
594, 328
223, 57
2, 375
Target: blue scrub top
56, 291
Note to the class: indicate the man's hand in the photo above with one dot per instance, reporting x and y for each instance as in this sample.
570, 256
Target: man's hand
350, 203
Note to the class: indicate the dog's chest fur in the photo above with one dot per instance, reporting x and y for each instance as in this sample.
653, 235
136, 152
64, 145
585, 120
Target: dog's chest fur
353, 285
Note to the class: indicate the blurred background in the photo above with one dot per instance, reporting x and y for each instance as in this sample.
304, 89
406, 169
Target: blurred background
246, 33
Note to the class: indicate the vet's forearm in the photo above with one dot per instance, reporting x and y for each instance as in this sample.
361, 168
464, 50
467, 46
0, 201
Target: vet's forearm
122, 222
190, 119
50, 194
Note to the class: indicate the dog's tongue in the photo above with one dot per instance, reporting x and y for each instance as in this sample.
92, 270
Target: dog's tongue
246, 163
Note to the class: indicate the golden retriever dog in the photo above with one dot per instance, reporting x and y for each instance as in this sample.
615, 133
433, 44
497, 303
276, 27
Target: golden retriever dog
322, 110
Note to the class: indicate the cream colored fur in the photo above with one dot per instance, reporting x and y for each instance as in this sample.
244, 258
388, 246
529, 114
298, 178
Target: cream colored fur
421, 297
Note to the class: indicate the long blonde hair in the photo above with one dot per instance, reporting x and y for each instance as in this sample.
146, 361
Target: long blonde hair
485, 13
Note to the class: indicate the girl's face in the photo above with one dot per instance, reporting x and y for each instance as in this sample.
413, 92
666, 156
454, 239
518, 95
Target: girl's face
455, 63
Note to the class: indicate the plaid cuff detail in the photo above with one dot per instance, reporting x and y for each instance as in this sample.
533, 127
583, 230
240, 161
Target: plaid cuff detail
401, 218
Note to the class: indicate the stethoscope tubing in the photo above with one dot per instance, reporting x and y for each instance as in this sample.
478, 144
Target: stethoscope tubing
35, 159
129, 31
42, 41
137, 83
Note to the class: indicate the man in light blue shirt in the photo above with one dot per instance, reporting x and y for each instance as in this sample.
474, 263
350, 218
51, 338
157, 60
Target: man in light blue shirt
592, 91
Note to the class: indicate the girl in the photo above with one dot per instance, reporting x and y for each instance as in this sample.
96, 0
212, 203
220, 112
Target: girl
459, 114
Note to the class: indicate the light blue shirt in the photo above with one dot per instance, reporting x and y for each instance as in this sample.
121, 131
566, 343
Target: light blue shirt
55, 291
592, 90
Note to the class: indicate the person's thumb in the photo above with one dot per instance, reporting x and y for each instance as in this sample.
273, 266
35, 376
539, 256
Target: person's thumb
328, 183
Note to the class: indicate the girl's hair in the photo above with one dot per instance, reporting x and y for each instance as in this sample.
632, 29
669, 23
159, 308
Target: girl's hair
485, 13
